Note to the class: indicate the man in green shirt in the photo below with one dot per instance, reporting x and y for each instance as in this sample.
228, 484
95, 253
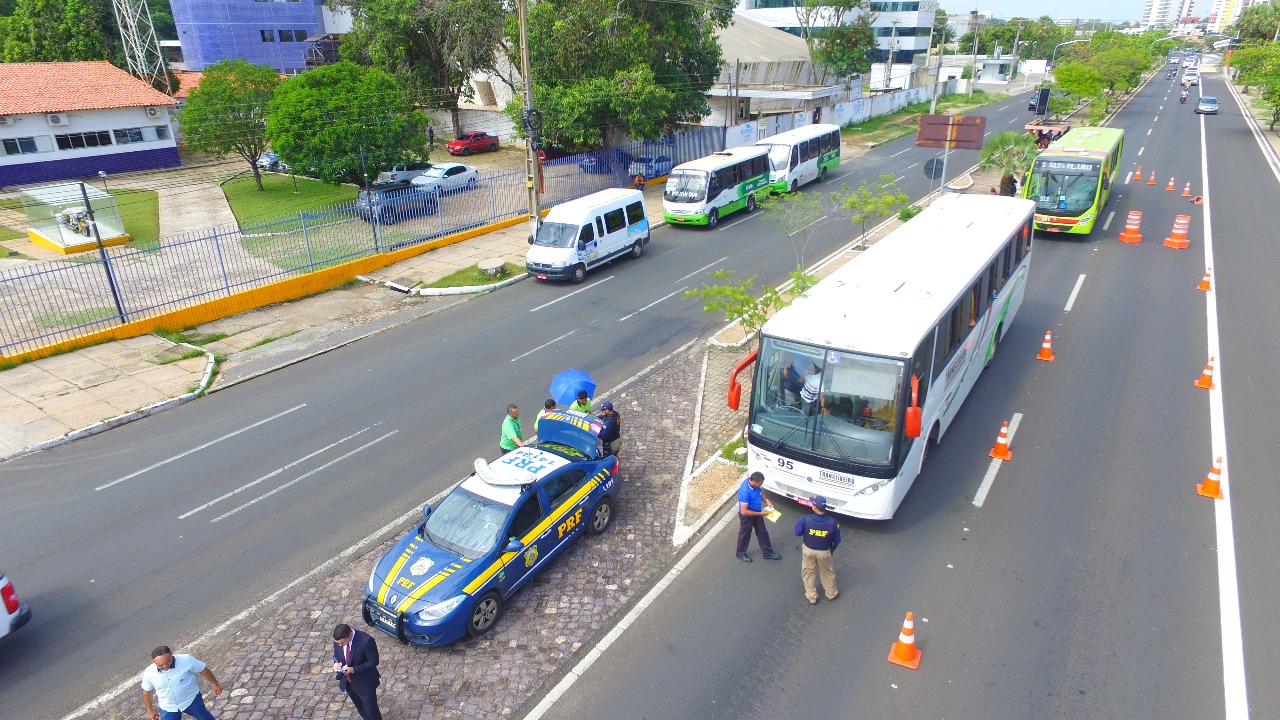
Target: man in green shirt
511, 432
582, 404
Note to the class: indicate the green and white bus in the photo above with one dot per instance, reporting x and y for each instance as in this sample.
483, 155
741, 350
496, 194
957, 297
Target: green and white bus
800, 156
857, 377
704, 190
1071, 180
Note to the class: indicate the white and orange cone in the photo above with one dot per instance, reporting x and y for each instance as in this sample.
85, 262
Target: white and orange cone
1046, 348
1212, 485
1001, 449
904, 651
1206, 377
1207, 282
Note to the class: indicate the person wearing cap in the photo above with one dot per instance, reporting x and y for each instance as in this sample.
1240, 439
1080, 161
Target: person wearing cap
611, 429
547, 407
820, 534
582, 404
752, 507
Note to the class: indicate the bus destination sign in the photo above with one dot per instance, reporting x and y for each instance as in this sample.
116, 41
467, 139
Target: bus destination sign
1067, 166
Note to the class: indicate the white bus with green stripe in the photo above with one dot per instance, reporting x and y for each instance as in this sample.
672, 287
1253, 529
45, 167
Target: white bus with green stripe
800, 156
704, 190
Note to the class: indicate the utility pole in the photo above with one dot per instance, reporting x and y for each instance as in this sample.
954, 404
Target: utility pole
141, 46
973, 24
937, 75
893, 48
532, 124
1016, 34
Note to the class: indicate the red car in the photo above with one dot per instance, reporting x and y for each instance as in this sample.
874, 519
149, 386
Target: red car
470, 142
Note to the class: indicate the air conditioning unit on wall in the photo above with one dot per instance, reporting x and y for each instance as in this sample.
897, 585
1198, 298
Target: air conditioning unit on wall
56, 119
5, 121
153, 112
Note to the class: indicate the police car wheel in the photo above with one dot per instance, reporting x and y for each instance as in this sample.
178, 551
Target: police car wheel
601, 517
485, 614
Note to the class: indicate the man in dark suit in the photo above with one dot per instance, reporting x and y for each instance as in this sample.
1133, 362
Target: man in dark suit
355, 664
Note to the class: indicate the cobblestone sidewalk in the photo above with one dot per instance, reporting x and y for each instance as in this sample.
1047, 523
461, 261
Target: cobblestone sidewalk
278, 664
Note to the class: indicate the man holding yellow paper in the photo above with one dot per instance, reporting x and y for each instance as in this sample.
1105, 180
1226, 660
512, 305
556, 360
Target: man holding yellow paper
752, 509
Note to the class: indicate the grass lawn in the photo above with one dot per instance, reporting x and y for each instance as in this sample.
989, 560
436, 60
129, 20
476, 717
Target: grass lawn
469, 276
907, 120
277, 199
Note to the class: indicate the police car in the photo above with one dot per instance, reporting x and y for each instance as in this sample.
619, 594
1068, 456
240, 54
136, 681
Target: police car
493, 532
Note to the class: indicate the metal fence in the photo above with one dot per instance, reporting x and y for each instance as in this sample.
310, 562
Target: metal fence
48, 302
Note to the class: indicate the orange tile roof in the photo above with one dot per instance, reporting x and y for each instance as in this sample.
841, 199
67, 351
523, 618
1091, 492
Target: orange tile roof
42, 87
187, 81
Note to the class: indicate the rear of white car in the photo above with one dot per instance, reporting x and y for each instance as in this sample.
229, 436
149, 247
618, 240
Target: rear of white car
17, 613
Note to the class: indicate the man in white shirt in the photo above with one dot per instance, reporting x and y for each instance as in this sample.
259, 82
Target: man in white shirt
171, 682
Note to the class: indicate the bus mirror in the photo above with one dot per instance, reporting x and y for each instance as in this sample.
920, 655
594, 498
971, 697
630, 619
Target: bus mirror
914, 414
735, 387
735, 395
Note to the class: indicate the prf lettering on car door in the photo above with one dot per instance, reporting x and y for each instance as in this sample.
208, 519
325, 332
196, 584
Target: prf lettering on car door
570, 523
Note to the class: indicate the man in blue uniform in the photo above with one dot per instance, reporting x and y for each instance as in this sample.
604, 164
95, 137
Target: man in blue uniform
752, 507
821, 534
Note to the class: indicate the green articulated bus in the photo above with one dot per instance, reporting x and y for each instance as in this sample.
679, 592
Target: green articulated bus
1071, 180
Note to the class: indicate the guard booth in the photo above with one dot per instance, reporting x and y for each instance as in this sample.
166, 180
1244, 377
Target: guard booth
58, 219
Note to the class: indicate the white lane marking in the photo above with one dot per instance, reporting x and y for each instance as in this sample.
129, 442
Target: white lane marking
612, 636
545, 344
899, 153
1155, 119
1127, 178
270, 475
342, 559
569, 295
1235, 694
1076, 290
304, 476
1106, 225
199, 448
1144, 147
910, 166
1006, 107
1149, 131
655, 302
704, 267
994, 468
899, 178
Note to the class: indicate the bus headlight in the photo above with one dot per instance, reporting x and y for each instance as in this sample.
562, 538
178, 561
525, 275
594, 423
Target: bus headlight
440, 609
871, 489
1086, 217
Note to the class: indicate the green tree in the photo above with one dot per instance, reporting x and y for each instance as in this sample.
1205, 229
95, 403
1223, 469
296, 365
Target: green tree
848, 50
871, 201
7, 7
573, 42
431, 47
162, 19
1259, 22
939, 26
631, 100
227, 113
1011, 153
63, 30
798, 215
1078, 79
344, 120
737, 301
1120, 68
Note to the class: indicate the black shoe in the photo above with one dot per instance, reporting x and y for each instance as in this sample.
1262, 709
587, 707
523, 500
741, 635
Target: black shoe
744, 557
771, 555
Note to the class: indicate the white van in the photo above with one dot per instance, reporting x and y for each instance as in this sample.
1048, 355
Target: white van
578, 235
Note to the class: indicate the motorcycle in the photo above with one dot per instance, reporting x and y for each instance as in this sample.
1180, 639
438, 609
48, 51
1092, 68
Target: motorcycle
1183, 98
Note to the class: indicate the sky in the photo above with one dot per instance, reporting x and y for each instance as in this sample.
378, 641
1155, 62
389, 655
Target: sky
1110, 10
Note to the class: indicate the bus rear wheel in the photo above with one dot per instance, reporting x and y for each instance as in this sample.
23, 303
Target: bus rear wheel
751, 202
822, 175
713, 217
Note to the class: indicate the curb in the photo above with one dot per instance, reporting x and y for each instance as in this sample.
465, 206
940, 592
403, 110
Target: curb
442, 292
117, 421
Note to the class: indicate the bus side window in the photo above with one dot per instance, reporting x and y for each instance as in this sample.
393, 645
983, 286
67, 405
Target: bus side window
942, 348
994, 281
1006, 268
713, 186
979, 300
964, 318
921, 364
795, 156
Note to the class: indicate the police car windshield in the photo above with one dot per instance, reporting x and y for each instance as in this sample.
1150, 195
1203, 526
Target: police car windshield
554, 234
467, 524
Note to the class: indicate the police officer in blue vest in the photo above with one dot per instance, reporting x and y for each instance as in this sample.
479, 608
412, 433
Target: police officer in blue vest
820, 534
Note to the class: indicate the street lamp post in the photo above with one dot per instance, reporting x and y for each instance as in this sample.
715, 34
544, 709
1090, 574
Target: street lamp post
1055, 49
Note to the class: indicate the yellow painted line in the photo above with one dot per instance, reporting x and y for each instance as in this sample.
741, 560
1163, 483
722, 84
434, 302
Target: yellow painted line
394, 572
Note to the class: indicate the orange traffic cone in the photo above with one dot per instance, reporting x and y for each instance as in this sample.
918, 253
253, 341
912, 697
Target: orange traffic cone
1211, 487
1046, 348
904, 652
1151, 178
1186, 191
1206, 377
1206, 283
1001, 449
1178, 237
1137, 174
1170, 186
1131, 226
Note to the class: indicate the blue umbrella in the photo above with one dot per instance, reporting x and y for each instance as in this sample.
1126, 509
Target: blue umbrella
566, 384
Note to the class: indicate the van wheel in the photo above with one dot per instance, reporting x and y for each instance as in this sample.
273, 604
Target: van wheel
637, 250
713, 217
579, 274
751, 202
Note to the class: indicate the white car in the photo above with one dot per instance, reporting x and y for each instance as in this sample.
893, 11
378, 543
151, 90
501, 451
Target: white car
447, 177
17, 613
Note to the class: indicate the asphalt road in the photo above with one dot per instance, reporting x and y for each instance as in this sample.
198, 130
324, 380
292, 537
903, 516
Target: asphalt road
1088, 584
159, 530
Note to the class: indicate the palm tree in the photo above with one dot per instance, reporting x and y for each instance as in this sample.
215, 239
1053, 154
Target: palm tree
1010, 152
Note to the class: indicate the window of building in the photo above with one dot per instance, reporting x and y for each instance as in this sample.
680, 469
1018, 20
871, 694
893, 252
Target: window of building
151, 133
267, 35
27, 145
71, 141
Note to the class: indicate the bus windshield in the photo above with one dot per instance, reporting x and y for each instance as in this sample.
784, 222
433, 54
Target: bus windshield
555, 234
685, 186
841, 405
779, 157
1066, 188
